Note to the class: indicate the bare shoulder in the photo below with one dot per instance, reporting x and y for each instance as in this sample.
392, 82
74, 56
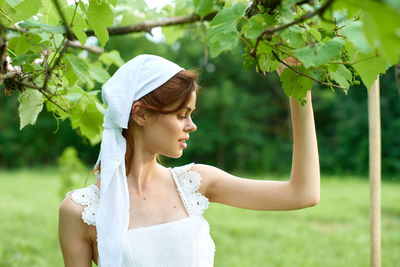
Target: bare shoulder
80, 205
209, 176
71, 213
70, 207
207, 172
74, 234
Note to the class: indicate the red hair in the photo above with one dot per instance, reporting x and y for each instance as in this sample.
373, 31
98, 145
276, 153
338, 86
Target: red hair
178, 88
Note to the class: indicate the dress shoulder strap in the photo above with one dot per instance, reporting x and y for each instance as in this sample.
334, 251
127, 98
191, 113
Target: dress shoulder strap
188, 182
89, 198
182, 169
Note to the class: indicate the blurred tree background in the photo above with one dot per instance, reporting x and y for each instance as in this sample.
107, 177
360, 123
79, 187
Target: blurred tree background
243, 121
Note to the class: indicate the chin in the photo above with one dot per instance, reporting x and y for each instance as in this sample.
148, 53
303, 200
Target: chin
177, 156
173, 155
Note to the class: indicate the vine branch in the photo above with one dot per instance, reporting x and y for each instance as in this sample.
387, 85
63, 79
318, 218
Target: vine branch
320, 11
70, 40
147, 26
70, 34
48, 98
305, 75
92, 49
269, 31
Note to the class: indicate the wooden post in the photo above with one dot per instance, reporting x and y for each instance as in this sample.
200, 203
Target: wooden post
374, 115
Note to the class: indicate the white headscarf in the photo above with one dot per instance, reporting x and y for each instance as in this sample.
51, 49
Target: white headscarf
130, 82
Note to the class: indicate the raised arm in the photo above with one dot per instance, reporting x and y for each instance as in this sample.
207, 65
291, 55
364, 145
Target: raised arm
75, 244
305, 174
303, 188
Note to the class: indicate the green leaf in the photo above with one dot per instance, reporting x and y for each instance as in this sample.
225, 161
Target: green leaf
368, 66
354, 32
227, 18
382, 29
340, 74
255, 25
99, 74
78, 65
113, 2
223, 34
296, 85
30, 105
27, 58
293, 36
267, 61
351, 8
87, 115
285, 10
24, 10
381, 25
100, 16
13, 3
367, 73
78, 30
228, 42
393, 3
112, 57
173, 33
24, 43
79, 68
43, 27
6, 21
203, 7
316, 34
320, 53
229, 3
82, 6
78, 25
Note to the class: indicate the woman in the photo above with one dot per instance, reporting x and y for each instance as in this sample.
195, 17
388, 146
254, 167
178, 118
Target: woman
145, 214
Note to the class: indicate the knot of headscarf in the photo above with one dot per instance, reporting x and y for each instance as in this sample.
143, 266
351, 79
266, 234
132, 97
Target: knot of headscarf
136, 78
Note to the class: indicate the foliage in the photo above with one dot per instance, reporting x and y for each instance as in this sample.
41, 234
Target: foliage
71, 169
29, 203
257, 140
335, 42
50, 57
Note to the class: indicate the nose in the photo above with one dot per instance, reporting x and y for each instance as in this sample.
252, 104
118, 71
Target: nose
191, 127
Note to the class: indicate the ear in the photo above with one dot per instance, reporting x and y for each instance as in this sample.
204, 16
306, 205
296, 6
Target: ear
138, 114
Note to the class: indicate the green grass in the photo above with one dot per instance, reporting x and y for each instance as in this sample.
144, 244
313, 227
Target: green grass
334, 233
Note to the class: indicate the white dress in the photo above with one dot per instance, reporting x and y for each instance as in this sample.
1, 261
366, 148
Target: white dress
182, 243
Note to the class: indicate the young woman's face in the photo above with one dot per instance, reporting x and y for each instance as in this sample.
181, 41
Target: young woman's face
166, 133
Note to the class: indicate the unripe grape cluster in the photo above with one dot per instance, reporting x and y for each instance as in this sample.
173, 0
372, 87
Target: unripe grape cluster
248, 60
346, 58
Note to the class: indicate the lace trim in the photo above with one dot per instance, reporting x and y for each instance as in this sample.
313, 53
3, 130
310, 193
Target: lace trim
89, 198
189, 182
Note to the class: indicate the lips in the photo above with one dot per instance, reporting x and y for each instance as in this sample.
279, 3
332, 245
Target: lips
182, 142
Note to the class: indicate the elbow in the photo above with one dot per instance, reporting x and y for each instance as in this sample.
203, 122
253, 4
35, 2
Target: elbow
312, 201
305, 198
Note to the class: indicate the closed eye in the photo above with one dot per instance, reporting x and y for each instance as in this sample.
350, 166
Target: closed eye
186, 115
188, 112
181, 117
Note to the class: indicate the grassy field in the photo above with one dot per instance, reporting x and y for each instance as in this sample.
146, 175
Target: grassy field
334, 233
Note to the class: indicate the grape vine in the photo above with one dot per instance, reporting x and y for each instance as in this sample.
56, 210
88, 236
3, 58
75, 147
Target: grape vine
43, 45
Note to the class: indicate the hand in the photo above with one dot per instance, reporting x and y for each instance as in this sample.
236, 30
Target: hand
291, 61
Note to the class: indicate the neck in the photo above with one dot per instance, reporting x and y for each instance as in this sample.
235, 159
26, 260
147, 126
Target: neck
144, 170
